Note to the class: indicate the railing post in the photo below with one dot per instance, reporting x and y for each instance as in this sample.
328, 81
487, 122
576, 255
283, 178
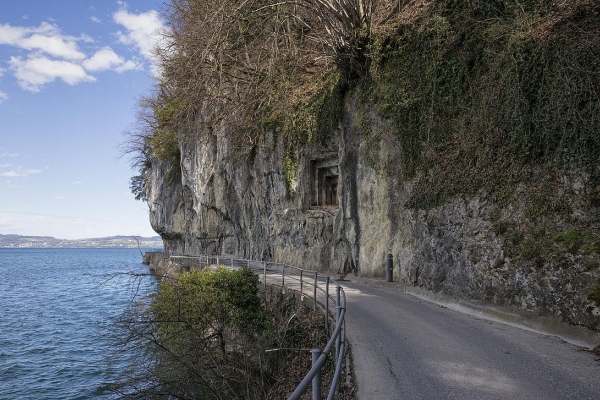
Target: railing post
315, 289
337, 302
265, 274
338, 312
217, 261
283, 275
327, 305
231, 262
316, 382
301, 290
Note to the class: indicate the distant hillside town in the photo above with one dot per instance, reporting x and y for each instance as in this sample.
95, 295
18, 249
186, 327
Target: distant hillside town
18, 241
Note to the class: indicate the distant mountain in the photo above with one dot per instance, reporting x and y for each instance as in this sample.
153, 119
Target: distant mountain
51, 242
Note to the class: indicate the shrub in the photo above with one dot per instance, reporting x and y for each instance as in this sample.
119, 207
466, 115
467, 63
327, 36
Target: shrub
210, 322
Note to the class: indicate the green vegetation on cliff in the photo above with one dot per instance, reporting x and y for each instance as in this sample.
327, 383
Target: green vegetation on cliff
497, 101
211, 334
479, 92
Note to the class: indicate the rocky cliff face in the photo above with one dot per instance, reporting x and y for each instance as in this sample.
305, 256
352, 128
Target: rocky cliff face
227, 205
241, 206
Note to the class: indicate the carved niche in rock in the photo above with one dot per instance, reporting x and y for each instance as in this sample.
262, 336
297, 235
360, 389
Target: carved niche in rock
324, 174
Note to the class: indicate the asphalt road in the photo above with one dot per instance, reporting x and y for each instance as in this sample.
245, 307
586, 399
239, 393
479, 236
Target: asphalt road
407, 348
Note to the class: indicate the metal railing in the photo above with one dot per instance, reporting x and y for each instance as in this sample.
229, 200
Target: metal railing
328, 296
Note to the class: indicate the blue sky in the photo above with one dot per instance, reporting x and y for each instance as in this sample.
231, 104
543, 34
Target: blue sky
71, 75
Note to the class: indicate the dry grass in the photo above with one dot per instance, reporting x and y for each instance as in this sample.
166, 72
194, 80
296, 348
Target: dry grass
298, 362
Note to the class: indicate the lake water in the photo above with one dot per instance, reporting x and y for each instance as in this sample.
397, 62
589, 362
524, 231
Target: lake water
58, 336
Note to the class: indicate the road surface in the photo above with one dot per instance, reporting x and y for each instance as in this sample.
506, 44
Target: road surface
404, 347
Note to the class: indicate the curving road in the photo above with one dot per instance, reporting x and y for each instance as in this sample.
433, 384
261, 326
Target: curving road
408, 348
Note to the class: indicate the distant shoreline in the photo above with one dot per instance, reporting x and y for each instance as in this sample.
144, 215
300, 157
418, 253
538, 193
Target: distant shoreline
48, 242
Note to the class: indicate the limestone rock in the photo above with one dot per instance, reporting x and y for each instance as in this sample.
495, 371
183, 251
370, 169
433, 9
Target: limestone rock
229, 204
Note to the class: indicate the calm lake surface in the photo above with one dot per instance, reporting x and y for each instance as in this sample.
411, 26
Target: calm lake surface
58, 335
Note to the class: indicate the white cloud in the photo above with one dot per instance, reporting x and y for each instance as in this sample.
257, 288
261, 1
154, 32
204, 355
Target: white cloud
46, 38
8, 183
11, 35
51, 55
47, 54
143, 32
20, 172
84, 37
129, 65
54, 45
106, 59
6, 154
4, 165
37, 71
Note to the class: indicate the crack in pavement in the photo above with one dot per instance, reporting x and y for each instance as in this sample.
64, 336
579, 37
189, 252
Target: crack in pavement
391, 371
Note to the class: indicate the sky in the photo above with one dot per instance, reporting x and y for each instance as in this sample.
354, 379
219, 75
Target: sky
71, 75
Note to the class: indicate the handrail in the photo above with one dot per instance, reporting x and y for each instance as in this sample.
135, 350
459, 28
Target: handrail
316, 368
305, 281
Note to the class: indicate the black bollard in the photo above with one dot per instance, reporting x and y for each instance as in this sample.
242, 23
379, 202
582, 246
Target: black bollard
389, 268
